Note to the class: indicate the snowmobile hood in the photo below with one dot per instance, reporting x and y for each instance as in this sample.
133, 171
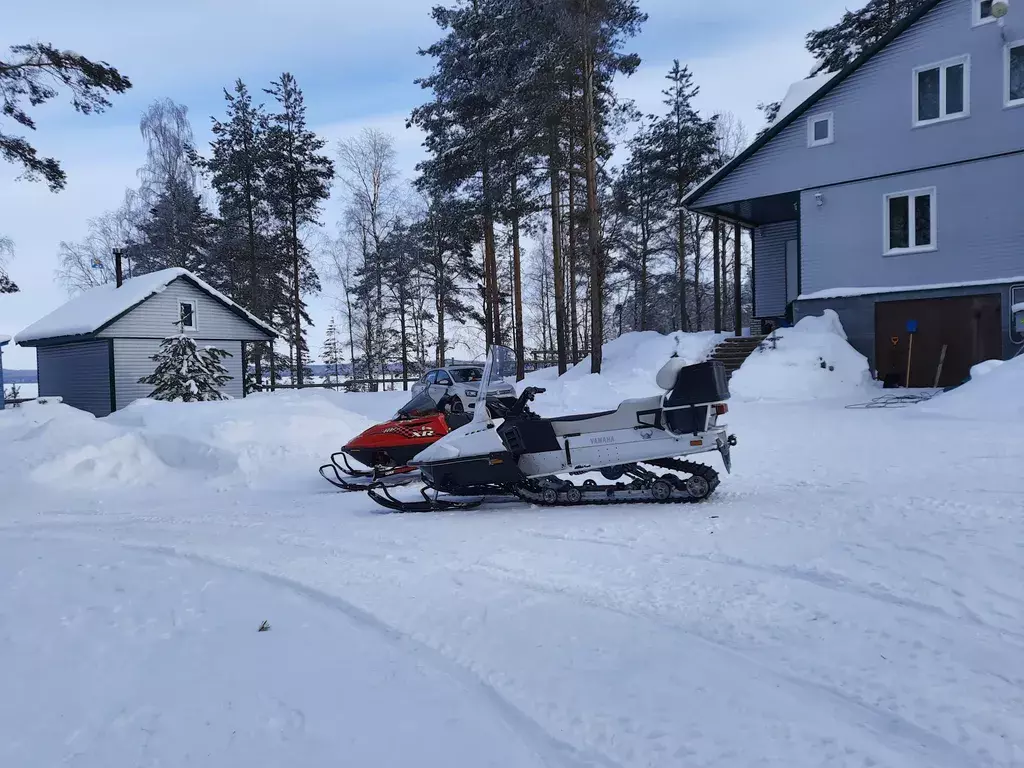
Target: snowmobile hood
474, 439
397, 433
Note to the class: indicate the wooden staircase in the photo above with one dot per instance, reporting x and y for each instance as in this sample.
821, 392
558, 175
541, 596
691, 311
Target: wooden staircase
735, 350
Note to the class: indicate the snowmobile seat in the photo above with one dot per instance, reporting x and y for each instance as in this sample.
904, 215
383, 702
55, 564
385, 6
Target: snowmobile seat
581, 416
696, 387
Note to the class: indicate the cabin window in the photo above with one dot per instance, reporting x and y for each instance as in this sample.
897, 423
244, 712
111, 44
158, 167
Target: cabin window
819, 130
1015, 74
909, 221
982, 12
942, 91
187, 315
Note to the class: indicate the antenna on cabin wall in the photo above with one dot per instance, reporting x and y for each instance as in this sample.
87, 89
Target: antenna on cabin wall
118, 273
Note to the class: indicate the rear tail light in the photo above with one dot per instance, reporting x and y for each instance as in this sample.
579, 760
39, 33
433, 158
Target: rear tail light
721, 409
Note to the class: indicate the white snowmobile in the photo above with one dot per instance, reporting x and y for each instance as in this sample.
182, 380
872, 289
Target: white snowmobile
523, 455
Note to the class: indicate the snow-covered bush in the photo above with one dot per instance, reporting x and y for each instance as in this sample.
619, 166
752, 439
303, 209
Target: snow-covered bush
13, 393
185, 373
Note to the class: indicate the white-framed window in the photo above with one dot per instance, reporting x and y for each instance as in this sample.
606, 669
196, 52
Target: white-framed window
187, 315
820, 130
910, 221
1014, 74
981, 12
942, 91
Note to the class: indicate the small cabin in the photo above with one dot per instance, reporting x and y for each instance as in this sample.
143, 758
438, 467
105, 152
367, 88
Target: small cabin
92, 351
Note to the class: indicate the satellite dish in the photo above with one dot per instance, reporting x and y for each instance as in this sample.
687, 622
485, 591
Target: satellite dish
1000, 8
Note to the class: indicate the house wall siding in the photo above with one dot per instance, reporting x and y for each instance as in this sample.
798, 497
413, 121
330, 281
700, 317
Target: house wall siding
770, 272
873, 113
155, 318
979, 214
132, 361
77, 373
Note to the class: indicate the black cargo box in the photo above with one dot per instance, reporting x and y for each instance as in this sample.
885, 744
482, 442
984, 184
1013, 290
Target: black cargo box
700, 383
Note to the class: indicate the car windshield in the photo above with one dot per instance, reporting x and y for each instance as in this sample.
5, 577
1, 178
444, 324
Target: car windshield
420, 406
466, 375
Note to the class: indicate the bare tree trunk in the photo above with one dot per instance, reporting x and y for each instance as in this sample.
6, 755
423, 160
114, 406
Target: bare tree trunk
593, 214
718, 276
573, 320
517, 285
556, 248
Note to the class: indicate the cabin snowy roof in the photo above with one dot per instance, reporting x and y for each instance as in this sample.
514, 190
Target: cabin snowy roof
96, 308
4, 339
801, 91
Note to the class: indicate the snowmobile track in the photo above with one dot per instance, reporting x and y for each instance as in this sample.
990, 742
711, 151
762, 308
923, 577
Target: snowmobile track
611, 497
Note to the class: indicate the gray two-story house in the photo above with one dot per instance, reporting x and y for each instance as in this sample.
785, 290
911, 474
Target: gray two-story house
894, 194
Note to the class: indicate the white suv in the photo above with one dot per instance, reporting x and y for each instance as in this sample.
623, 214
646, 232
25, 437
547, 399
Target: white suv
461, 384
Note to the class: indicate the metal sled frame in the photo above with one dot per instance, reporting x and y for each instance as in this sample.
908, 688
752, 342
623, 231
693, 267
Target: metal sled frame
374, 477
382, 495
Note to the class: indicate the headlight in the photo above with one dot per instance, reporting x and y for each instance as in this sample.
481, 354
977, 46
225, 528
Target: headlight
471, 393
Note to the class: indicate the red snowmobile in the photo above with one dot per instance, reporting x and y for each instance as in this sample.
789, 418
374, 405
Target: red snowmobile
385, 450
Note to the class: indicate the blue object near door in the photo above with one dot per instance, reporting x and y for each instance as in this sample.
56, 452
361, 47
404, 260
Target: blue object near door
911, 326
3, 342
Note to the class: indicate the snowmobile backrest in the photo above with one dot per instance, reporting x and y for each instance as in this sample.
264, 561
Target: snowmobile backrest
666, 378
698, 384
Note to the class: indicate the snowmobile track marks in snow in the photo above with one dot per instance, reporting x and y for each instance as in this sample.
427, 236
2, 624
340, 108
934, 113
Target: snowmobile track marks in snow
547, 746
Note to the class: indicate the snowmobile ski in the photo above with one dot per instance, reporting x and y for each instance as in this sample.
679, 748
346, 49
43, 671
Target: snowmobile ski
346, 478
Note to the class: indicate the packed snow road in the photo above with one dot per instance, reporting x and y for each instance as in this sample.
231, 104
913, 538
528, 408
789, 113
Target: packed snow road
853, 595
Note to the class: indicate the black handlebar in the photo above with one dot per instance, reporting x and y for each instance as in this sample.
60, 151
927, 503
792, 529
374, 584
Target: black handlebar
527, 397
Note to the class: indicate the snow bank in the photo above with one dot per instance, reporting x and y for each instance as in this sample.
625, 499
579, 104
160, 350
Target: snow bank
812, 360
268, 440
628, 368
997, 394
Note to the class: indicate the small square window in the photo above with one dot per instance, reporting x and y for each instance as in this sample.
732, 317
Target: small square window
1014, 66
982, 12
910, 224
819, 130
187, 315
942, 91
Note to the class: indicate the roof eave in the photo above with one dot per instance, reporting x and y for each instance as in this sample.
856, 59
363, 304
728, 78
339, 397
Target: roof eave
709, 184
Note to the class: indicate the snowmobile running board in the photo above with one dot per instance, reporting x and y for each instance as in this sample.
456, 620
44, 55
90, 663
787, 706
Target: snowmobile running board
365, 479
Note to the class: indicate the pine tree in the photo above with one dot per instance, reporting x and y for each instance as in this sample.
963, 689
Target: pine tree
34, 73
239, 172
836, 46
177, 233
685, 150
185, 373
331, 355
299, 180
6, 284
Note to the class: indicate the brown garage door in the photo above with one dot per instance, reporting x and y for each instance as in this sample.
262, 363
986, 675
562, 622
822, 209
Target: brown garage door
968, 327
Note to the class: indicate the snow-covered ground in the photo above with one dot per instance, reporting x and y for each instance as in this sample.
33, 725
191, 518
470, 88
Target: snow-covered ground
853, 595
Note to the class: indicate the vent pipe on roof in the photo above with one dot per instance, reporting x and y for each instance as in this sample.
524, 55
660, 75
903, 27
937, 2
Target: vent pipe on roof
118, 274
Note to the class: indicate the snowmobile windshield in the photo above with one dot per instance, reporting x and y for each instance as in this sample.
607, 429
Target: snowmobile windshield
501, 365
420, 406
466, 375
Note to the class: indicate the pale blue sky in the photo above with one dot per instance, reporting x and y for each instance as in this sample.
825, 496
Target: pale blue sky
356, 62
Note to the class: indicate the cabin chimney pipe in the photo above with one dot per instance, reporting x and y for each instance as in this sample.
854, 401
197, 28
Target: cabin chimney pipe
118, 274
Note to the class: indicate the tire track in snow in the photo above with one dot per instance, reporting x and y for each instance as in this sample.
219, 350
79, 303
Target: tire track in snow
897, 732
549, 748
829, 581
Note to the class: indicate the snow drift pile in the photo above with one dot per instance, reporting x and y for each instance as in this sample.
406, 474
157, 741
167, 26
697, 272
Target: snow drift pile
628, 368
268, 440
994, 393
810, 361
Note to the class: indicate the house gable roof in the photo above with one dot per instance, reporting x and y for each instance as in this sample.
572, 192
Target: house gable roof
785, 120
90, 312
